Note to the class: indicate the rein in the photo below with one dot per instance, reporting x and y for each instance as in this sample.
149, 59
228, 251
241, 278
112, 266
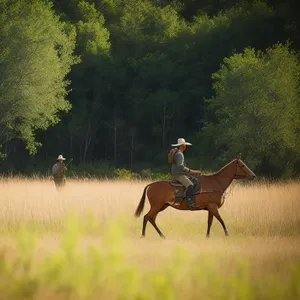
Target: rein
235, 176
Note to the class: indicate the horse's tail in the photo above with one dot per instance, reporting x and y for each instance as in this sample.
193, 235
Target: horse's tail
141, 205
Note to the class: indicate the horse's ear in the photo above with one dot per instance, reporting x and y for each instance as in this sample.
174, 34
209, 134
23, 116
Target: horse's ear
238, 156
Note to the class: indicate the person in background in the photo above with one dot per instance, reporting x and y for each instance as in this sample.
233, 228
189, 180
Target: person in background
58, 172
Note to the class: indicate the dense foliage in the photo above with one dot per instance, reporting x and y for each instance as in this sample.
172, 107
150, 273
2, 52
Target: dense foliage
35, 56
223, 74
257, 107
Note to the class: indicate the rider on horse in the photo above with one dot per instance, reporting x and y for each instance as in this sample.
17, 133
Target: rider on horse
179, 171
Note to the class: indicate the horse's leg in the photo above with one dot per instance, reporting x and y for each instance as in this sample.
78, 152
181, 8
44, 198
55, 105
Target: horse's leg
209, 222
144, 225
151, 216
152, 221
214, 210
217, 215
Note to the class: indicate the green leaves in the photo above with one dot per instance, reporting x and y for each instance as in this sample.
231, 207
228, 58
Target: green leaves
256, 104
143, 75
35, 56
93, 37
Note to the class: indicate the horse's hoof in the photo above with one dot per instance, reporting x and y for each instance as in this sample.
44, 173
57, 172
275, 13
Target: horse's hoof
142, 236
163, 237
207, 236
226, 234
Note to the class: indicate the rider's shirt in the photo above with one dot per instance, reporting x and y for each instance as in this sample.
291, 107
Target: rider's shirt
178, 165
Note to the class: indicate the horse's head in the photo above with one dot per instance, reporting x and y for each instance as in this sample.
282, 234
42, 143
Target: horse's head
242, 171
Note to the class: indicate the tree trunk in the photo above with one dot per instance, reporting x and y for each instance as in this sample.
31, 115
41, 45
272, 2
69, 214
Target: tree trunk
71, 145
87, 143
80, 154
6, 150
115, 136
164, 127
131, 148
46, 145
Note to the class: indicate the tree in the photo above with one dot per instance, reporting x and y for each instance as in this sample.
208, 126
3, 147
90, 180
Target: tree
145, 71
94, 47
36, 53
257, 107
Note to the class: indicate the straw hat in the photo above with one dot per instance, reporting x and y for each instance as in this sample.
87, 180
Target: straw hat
181, 141
60, 157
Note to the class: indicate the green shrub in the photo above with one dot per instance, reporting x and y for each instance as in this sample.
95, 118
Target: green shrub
104, 270
96, 170
126, 174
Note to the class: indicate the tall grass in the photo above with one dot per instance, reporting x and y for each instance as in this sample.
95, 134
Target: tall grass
83, 243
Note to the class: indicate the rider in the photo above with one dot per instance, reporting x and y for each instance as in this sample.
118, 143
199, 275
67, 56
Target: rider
179, 171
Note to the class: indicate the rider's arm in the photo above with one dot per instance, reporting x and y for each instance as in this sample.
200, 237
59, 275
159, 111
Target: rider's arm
179, 160
195, 172
62, 168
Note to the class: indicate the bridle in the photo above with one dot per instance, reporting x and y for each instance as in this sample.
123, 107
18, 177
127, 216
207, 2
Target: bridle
235, 176
242, 168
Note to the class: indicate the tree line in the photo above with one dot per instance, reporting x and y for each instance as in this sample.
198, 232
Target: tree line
116, 82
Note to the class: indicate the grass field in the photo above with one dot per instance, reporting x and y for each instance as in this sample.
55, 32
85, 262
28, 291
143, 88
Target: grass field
84, 243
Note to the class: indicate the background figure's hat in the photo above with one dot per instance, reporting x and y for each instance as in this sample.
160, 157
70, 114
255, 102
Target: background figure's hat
181, 141
60, 157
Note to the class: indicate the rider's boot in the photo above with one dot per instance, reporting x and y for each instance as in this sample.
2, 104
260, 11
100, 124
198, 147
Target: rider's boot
189, 198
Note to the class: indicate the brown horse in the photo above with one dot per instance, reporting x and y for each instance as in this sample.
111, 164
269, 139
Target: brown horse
210, 198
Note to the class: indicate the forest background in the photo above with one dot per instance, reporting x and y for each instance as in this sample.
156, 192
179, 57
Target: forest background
112, 83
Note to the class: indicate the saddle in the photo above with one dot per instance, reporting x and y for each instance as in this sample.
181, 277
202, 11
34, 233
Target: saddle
180, 189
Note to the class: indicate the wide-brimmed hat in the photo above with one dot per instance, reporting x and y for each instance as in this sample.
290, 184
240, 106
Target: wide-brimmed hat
181, 141
60, 157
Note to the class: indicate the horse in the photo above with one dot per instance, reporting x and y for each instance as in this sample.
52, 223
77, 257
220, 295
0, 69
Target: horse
161, 195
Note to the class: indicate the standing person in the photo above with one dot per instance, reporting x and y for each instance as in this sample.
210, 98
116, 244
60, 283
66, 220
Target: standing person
58, 172
179, 170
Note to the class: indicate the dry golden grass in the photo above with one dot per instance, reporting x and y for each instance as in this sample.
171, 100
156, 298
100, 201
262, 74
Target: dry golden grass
266, 215
254, 210
263, 222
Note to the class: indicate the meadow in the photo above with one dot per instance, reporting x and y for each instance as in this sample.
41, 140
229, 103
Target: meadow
84, 243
